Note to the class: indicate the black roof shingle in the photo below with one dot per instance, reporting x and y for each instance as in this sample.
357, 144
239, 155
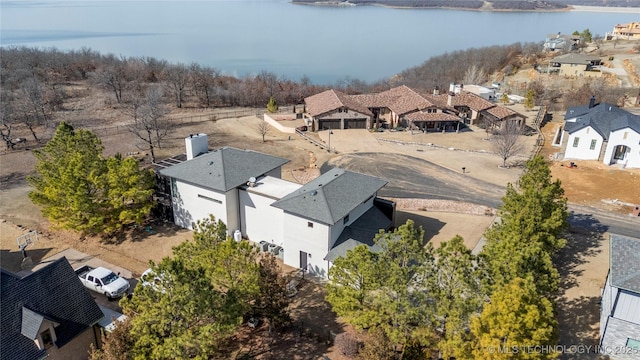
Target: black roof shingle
54, 293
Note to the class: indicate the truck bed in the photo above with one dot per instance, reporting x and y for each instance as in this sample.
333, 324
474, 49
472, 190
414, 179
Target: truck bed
83, 271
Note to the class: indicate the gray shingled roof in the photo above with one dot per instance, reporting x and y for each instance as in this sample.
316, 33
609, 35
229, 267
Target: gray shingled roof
54, 293
224, 169
361, 231
573, 58
331, 196
603, 118
625, 262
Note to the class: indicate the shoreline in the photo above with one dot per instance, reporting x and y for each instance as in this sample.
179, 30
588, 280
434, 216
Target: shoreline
581, 8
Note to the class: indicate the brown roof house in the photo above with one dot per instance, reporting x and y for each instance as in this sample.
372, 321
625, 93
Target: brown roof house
334, 109
476, 110
47, 314
402, 106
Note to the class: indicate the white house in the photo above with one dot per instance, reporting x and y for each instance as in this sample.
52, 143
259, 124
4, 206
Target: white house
602, 132
308, 226
620, 306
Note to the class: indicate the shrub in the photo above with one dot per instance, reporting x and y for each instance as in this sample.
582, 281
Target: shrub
347, 344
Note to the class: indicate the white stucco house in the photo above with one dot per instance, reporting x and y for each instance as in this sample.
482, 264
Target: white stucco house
602, 132
308, 226
620, 306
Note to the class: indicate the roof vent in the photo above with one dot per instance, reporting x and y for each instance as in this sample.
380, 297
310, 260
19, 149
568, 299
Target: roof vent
319, 185
251, 182
210, 163
314, 193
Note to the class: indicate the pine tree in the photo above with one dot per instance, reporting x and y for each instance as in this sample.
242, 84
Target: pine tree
272, 107
454, 286
529, 99
184, 316
80, 190
528, 236
513, 323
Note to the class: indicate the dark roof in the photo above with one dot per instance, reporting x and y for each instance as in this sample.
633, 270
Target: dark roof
331, 196
54, 293
573, 58
625, 262
361, 231
603, 118
224, 169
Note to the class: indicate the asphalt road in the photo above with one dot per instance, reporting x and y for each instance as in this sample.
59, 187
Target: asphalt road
411, 177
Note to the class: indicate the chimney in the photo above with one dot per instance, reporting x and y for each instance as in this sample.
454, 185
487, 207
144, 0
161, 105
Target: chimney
196, 145
436, 91
452, 87
450, 98
592, 102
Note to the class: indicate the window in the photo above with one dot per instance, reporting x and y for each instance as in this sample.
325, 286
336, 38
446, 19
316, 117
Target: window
210, 199
47, 339
346, 219
309, 224
576, 141
174, 189
633, 343
593, 144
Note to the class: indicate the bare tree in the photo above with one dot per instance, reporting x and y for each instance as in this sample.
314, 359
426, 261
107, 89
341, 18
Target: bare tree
177, 78
474, 75
149, 122
6, 119
263, 129
507, 141
203, 80
112, 76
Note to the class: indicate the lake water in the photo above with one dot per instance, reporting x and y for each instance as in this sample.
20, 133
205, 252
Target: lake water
326, 44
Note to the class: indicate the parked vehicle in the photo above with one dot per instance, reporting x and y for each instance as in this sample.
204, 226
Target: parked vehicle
102, 280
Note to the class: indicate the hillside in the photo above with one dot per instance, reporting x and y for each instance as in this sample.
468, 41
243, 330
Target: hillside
495, 5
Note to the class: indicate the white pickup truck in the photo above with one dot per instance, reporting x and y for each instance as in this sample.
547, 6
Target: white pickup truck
102, 280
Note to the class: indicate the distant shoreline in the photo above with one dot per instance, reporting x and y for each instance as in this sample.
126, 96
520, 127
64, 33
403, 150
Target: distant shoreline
601, 9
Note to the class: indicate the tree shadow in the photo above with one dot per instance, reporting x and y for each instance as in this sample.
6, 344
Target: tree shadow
11, 180
12, 260
309, 335
578, 325
584, 239
135, 233
431, 226
578, 317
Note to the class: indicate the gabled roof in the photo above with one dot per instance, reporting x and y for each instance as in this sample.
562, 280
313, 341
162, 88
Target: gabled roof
331, 100
401, 100
574, 58
464, 98
53, 293
625, 263
603, 118
331, 196
361, 231
224, 169
501, 112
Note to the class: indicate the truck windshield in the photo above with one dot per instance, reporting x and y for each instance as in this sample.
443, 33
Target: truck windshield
109, 279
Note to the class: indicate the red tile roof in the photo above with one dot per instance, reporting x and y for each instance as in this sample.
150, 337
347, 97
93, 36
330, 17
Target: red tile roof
502, 112
422, 116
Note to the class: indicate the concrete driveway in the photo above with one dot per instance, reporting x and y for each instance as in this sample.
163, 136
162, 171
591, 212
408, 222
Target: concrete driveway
78, 259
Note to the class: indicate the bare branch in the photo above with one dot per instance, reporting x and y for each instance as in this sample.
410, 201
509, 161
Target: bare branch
507, 141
